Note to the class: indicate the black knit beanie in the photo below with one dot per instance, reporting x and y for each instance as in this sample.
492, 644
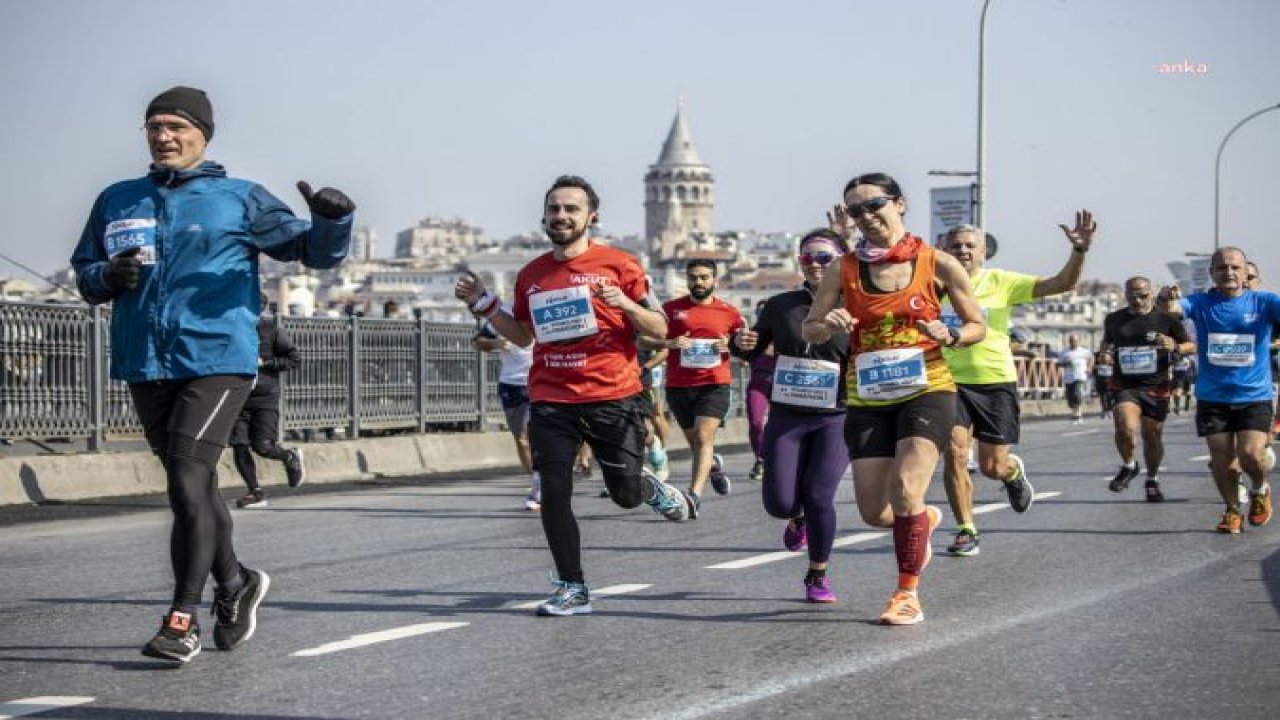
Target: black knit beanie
187, 102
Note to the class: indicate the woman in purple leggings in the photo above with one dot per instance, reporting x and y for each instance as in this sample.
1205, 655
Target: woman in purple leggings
803, 446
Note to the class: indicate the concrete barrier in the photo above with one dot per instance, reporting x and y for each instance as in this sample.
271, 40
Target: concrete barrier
62, 478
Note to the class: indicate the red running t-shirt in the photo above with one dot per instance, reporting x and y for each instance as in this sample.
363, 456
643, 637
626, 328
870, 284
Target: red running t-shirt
585, 350
700, 365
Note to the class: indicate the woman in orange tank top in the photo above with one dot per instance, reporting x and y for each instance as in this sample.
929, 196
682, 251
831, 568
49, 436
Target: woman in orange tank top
901, 396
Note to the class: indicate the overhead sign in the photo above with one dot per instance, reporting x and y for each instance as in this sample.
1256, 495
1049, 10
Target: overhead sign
949, 207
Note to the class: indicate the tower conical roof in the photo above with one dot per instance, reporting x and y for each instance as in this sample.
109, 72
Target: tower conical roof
679, 149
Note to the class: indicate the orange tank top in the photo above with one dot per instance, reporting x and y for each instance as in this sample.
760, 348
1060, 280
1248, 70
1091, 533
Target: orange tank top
890, 359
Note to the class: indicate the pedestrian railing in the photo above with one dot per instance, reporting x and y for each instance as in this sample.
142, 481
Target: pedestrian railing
358, 375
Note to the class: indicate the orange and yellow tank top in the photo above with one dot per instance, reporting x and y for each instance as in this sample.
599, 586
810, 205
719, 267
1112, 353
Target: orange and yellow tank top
890, 359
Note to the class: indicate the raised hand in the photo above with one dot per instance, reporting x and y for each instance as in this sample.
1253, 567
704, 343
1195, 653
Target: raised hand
469, 288
838, 221
1081, 236
329, 203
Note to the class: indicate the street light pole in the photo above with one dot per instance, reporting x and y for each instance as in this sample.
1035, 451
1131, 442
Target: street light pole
1217, 173
980, 181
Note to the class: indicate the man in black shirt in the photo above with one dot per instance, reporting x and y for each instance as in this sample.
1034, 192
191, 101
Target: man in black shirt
1140, 342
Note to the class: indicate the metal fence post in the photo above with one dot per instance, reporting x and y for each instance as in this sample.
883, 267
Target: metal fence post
97, 381
420, 373
482, 392
353, 378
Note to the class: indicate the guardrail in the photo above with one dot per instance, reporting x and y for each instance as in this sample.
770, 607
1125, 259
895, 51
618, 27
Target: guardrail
360, 375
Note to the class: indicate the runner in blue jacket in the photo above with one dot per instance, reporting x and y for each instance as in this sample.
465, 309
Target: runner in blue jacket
176, 253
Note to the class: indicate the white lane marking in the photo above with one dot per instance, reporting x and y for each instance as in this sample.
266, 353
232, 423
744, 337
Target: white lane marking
992, 507
755, 560
1199, 458
356, 641
1079, 432
33, 705
859, 538
767, 558
601, 592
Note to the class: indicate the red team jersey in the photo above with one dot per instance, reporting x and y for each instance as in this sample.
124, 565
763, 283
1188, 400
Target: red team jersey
585, 350
716, 319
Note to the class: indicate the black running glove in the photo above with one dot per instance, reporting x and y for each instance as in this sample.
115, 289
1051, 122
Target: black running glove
123, 271
329, 203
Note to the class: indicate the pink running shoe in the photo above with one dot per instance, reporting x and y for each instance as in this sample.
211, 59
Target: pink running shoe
818, 590
795, 536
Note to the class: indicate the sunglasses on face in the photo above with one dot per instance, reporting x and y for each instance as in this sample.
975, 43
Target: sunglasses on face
817, 258
870, 206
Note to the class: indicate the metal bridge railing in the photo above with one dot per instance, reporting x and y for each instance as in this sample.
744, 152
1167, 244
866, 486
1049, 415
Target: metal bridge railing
361, 375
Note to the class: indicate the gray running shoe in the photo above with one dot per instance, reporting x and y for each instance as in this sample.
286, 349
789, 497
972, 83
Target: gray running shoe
1120, 482
569, 598
293, 467
965, 545
178, 639
667, 501
1018, 488
719, 481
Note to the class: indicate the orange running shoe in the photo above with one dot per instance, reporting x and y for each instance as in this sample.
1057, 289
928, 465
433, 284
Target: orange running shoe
903, 609
1231, 521
1260, 507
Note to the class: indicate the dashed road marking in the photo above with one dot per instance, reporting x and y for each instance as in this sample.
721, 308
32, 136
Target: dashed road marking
33, 705
381, 636
862, 537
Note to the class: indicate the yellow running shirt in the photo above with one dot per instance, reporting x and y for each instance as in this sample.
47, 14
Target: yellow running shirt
990, 361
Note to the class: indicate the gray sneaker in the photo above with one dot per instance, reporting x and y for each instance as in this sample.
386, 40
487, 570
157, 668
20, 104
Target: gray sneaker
293, 467
1018, 488
569, 598
667, 501
719, 481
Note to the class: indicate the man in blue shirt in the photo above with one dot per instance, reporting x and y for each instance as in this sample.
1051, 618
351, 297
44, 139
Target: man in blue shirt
1233, 388
176, 255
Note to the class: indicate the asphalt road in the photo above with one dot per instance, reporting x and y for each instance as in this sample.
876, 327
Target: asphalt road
411, 601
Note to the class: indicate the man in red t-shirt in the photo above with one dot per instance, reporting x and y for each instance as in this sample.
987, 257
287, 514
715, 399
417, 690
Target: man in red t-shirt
699, 326
583, 303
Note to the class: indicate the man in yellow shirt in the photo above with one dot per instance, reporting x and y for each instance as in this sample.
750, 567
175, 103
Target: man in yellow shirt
986, 378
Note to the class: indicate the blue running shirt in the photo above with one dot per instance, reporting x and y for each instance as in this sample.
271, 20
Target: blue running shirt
1233, 340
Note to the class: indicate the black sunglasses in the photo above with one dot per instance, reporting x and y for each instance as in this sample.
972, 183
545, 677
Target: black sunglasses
818, 258
870, 206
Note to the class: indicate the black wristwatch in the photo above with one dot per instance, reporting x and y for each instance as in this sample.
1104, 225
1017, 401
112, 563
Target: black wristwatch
955, 336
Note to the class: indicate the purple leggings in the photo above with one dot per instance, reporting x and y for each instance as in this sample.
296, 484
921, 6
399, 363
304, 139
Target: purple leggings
758, 391
805, 458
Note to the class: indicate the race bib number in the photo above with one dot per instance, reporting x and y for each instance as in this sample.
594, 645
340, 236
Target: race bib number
806, 382
701, 354
563, 314
891, 374
949, 317
1137, 360
1230, 350
138, 233
1104, 371
659, 375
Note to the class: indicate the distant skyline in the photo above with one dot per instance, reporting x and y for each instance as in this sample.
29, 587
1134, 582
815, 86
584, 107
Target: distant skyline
469, 108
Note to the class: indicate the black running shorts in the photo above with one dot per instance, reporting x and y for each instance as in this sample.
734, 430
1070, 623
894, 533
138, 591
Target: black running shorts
1154, 406
992, 412
690, 403
872, 432
1214, 418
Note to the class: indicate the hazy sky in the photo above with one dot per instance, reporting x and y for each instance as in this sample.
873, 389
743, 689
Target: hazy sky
469, 108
